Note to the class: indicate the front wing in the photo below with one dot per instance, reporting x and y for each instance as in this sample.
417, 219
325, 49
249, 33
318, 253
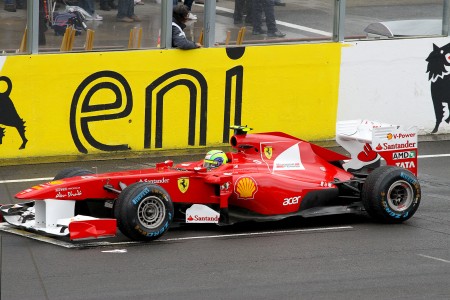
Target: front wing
53, 217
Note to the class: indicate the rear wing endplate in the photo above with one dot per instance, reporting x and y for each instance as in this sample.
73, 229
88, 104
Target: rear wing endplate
369, 141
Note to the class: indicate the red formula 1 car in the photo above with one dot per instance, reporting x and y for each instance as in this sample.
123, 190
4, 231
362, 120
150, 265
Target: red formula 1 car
270, 176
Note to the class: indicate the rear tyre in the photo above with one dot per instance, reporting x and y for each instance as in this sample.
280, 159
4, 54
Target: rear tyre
72, 172
143, 211
391, 194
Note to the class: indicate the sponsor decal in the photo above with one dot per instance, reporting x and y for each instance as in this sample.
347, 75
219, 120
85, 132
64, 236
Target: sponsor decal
289, 166
268, 152
408, 178
403, 155
288, 160
225, 186
292, 200
183, 184
199, 213
326, 184
56, 182
202, 219
140, 196
162, 180
367, 155
246, 188
391, 136
396, 146
406, 164
68, 194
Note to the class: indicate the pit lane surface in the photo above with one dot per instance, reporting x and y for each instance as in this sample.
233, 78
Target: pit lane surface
344, 257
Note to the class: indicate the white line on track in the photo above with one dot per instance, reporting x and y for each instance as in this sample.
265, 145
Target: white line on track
433, 155
286, 24
435, 258
51, 178
27, 180
57, 242
257, 233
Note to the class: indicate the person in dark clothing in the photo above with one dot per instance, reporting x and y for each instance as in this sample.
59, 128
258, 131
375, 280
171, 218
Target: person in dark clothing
179, 18
189, 3
241, 8
125, 11
107, 5
266, 6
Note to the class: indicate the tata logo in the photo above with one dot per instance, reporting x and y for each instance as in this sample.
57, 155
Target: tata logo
292, 200
403, 155
406, 164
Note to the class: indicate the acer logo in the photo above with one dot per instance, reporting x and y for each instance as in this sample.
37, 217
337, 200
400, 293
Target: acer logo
290, 201
406, 164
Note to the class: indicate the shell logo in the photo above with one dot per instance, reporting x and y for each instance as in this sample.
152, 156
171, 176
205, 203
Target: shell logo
246, 188
389, 136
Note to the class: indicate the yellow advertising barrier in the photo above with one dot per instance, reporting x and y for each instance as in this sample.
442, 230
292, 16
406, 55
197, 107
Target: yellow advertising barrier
88, 103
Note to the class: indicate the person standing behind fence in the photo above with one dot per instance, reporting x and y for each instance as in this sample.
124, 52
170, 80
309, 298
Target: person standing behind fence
179, 18
268, 7
125, 11
241, 8
89, 7
189, 3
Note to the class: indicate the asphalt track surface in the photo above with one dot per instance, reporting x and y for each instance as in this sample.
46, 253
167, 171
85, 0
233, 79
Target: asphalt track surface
344, 257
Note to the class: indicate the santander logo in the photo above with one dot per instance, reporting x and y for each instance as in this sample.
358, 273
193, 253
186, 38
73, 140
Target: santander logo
202, 219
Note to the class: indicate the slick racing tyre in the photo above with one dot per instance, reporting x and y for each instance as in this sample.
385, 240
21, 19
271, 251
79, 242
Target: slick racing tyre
143, 211
391, 194
72, 172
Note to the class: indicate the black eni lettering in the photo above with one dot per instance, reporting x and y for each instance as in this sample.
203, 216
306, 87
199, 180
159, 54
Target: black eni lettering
193, 91
154, 95
122, 93
237, 73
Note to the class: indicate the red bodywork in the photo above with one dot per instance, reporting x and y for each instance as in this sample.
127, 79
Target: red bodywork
270, 174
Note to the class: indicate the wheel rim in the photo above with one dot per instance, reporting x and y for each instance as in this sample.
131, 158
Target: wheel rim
400, 196
151, 212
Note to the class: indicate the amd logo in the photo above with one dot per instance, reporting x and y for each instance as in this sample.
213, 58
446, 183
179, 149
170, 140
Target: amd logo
403, 155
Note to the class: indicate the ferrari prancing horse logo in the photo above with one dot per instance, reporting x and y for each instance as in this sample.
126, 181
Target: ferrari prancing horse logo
183, 184
268, 152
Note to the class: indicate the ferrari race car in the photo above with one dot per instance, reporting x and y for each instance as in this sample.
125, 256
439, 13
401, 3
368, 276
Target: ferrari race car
268, 176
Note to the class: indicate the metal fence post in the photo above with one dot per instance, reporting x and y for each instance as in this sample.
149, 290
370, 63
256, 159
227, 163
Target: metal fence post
445, 16
209, 23
339, 20
166, 24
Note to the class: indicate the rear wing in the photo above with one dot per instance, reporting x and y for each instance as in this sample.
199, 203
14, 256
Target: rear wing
369, 141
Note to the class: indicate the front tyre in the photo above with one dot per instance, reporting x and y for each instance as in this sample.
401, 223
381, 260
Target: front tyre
143, 211
72, 172
391, 194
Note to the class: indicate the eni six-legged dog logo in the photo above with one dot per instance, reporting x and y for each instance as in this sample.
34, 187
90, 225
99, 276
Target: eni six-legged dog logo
8, 113
438, 61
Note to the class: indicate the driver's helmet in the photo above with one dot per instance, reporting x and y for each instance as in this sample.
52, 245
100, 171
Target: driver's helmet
214, 158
